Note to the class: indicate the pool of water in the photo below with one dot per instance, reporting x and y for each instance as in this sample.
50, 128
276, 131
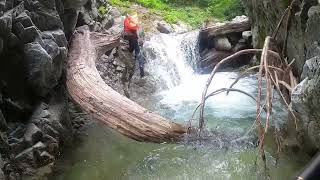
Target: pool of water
105, 154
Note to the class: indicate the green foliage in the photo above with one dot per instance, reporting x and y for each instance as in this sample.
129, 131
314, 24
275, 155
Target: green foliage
102, 10
225, 9
193, 12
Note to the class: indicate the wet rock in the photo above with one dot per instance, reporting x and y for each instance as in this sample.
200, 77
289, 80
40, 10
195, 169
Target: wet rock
33, 134
164, 28
222, 43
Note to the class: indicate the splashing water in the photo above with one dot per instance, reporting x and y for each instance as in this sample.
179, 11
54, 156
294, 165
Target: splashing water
170, 58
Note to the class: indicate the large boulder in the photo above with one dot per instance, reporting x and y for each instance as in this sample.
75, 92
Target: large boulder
221, 43
39, 69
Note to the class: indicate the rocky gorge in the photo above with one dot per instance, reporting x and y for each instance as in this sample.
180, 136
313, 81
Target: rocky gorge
36, 117
299, 40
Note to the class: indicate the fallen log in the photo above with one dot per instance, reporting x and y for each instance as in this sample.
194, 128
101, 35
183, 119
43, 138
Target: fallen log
226, 28
94, 96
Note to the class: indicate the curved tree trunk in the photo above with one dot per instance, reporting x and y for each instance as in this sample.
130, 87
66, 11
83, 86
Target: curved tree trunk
88, 89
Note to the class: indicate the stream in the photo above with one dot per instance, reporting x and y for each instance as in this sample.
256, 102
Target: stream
105, 154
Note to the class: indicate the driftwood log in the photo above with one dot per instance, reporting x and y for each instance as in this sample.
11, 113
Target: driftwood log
94, 96
226, 28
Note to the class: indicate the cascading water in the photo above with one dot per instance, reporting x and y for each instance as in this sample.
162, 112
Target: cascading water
166, 57
107, 155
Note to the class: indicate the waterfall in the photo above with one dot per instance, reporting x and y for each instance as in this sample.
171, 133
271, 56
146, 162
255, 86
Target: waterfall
171, 58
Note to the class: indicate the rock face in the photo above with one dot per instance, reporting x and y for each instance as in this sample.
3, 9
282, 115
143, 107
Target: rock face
303, 45
34, 118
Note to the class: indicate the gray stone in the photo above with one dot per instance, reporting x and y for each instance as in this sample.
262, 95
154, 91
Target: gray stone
221, 43
24, 19
313, 28
164, 28
33, 134
246, 35
310, 67
3, 122
313, 50
44, 15
39, 69
51, 47
29, 34
59, 37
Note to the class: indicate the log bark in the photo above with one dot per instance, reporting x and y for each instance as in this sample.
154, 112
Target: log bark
94, 96
226, 28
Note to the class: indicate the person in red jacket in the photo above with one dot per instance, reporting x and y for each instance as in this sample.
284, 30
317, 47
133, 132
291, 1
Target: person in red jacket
131, 28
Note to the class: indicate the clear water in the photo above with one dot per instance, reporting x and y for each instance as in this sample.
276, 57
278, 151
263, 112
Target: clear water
105, 154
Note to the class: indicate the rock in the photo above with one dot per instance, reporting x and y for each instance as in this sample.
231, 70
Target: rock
312, 26
45, 158
24, 19
314, 50
44, 15
39, 69
74, 3
180, 28
222, 43
164, 28
17, 145
69, 19
213, 56
59, 37
247, 35
3, 122
117, 27
310, 67
51, 47
33, 134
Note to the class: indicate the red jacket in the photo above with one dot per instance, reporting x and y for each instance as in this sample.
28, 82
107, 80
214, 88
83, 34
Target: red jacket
129, 27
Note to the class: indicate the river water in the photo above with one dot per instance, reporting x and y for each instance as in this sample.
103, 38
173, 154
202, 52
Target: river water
105, 154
